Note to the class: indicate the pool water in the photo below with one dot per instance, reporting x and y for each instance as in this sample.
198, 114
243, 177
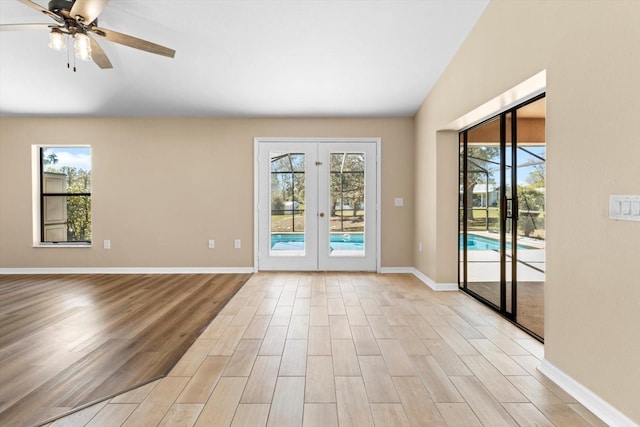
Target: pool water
481, 243
338, 241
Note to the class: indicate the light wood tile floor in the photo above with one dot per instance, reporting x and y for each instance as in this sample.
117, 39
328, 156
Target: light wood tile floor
349, 349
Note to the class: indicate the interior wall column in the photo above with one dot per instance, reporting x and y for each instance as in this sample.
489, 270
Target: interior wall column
447, 189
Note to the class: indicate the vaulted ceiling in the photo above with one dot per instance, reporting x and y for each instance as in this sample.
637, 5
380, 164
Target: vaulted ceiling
264, 58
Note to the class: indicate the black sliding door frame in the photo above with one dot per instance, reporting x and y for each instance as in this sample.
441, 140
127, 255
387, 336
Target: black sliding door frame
508, 217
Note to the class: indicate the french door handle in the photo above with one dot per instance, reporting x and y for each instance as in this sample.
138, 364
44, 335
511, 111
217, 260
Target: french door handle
510, 208
321, 214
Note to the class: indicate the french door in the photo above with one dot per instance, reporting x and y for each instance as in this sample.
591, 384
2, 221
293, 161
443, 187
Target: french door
317, 205
502, 213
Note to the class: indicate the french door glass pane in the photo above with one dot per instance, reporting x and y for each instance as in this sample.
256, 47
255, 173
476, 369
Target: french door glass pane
287, 220
347, 204
483, 210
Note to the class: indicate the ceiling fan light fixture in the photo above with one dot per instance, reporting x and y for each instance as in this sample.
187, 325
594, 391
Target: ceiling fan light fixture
82, 47
56, 40
77, 19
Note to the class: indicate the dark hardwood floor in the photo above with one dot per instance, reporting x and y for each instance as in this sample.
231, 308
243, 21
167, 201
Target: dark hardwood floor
67, 341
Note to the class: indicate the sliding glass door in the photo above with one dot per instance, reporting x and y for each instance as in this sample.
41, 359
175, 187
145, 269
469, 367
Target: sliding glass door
501, 226
482, 210
529, 224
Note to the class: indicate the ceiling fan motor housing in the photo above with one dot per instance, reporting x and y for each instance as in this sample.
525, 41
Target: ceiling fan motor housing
57, 5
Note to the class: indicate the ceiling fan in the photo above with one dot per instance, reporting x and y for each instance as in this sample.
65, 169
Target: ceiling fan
78, 19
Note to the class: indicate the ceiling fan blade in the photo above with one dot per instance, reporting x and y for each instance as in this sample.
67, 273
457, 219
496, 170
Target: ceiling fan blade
86, 11
41, 9
98, 55
27, 27
134, 42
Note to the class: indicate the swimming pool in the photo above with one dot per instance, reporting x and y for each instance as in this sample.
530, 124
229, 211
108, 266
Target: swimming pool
338, 241
481, 243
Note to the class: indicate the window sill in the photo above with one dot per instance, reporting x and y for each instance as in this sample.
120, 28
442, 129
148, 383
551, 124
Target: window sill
62, 245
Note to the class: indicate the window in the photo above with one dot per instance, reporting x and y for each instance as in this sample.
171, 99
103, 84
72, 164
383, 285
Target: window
65, 194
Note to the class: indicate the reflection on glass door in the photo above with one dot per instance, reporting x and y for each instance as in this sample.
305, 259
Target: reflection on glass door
502, 214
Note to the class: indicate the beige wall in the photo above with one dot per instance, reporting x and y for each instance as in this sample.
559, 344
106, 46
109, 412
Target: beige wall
590, 51
163, 187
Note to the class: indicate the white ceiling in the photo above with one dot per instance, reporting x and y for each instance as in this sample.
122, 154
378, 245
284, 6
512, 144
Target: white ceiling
241, 58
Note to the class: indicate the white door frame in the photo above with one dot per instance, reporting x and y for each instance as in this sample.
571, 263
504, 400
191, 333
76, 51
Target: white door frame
256, 185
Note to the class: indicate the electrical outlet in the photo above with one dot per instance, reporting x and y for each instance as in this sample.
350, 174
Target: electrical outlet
212, 244
107, 244
236, 244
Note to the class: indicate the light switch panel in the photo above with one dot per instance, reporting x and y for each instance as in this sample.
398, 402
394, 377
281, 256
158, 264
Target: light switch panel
625, 208
399, 202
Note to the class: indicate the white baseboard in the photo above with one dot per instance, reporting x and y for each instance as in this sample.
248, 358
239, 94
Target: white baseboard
432, 284
586, 397
129, 270
396, 270
423, 277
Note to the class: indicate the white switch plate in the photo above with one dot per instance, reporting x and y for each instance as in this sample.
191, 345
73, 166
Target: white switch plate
236, 244
624, 208
399, 202
212, 244
107, 244
420, 247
